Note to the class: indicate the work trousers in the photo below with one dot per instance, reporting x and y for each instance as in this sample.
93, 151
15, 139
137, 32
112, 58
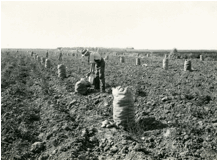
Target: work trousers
99, 74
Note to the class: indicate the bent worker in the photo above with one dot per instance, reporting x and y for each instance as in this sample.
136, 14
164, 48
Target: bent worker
97, 67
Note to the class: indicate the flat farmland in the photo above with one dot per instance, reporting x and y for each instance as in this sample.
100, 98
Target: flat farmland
43, 118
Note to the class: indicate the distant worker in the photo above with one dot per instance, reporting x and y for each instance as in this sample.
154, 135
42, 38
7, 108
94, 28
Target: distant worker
46, 54
60, 56
97, 67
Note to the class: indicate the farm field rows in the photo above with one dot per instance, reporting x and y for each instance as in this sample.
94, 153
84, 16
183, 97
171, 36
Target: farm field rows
176, 111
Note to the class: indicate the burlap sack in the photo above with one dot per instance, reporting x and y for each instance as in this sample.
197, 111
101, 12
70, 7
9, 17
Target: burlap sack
201, 58
122, 60
61, 71
165, 63
138, 62
187, 65
81, 87
47, 63
91, 78
123, 106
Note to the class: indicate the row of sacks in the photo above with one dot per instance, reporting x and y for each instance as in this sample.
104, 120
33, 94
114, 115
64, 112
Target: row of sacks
123, 101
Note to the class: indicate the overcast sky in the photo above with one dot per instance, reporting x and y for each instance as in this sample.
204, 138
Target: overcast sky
141, 24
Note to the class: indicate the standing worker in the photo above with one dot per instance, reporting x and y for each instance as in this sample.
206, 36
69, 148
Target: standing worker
97, 66
46, 54
60, 56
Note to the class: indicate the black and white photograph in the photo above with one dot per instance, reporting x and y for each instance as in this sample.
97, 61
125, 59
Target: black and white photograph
108, 80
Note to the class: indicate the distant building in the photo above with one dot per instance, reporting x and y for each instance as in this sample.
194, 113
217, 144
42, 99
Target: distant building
130, 48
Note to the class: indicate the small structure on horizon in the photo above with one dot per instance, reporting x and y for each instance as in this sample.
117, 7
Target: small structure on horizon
129, 47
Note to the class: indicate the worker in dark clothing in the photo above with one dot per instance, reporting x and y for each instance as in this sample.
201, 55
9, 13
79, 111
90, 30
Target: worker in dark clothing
46, 54
97, 67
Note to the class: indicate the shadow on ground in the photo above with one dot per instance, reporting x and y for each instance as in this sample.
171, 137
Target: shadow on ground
142, 93
145, 123
150, 123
